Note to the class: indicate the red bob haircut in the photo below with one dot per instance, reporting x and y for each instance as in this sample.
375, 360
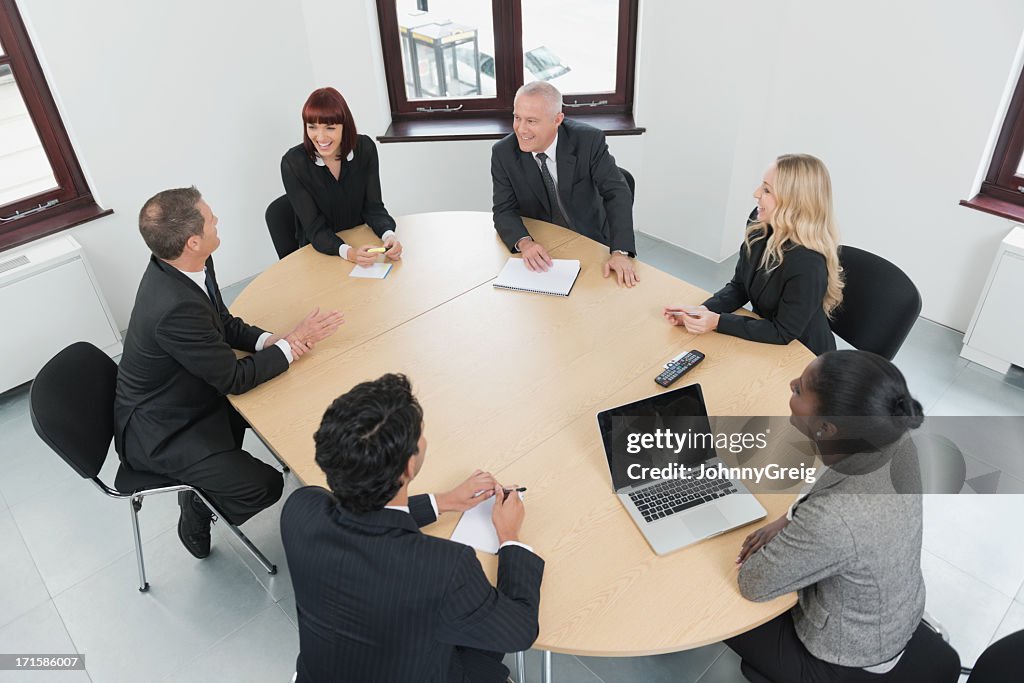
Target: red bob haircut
326, 105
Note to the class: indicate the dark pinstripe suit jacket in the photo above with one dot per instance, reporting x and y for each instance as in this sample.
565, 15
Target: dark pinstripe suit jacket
380, 601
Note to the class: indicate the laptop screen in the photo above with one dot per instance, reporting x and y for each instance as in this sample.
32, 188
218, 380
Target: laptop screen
646, 438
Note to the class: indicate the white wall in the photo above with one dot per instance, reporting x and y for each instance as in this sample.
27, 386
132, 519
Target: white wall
159, 95
897, 98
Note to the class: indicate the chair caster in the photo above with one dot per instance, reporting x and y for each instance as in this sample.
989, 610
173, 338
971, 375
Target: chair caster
272, 570
144, 589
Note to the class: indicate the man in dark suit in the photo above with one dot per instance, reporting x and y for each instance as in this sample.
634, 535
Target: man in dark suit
377, 599
560, 171
170, 410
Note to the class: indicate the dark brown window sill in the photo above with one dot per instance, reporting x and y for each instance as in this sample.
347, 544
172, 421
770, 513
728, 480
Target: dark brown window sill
61, 217
996, 207
492, 127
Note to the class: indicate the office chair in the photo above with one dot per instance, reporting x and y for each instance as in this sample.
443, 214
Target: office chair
1001, 662
71, 406
280, 219
880, 303
629, 181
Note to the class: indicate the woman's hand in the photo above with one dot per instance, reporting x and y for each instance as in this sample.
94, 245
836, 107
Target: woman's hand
760, 538
700, 320
362, 256
394, 248
675, 314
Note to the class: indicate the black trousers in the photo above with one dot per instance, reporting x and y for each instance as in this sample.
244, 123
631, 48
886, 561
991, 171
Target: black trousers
773, 653
237, 483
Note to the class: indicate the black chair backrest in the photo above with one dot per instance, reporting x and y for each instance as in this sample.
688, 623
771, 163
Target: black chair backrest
72, 406
880, 303
282, 226
629, 181
1002, 662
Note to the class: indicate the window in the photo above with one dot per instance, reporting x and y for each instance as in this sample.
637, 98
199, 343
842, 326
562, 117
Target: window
42, 187
464, 59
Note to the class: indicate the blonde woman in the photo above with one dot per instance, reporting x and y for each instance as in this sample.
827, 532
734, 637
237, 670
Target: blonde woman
788, 267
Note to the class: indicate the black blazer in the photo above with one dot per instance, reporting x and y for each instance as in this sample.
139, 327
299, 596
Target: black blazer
591, 186
323, 206
170, 409
380, 601
788, 299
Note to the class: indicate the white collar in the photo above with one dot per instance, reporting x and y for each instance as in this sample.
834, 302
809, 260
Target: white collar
320, 162
403, 508
550, 151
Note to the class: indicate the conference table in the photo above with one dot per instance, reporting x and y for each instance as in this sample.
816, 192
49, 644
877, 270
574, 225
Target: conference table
510, 382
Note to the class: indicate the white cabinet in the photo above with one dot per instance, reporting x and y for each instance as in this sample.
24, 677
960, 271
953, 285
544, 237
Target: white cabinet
995, 337
48, 299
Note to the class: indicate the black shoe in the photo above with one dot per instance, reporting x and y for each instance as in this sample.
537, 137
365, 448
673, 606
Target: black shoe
194, 524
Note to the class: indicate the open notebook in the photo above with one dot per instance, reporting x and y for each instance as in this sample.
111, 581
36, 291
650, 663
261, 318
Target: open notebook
559, 279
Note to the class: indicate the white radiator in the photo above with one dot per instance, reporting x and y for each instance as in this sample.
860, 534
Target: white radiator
48, 299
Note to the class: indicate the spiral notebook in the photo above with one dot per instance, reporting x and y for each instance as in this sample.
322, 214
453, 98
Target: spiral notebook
559, 279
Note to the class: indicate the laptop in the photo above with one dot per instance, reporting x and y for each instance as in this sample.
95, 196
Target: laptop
673, 512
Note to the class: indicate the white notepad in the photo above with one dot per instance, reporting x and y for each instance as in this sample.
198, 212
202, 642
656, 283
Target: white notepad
476, 529
559, 279
377, 271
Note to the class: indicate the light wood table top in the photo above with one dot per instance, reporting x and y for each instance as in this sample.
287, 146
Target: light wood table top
510, 383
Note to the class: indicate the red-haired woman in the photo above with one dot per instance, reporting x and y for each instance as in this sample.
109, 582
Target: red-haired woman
331, 183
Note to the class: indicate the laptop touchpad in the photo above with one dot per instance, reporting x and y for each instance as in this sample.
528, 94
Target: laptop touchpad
706, 521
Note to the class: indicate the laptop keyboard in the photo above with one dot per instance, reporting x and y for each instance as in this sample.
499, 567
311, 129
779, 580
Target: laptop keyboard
675, 495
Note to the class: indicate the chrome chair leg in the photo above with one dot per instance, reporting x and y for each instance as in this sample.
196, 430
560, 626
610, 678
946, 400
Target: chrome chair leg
136, 503
545, 669
521, 666
243, 539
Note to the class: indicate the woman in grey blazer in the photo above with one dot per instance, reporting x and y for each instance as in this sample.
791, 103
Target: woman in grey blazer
851, 547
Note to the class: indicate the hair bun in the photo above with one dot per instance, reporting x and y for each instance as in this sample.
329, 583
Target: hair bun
909, 407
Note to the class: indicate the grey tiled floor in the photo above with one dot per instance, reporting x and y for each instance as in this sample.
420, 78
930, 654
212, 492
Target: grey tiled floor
67, 570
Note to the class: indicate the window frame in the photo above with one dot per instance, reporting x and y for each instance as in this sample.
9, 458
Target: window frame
508, 48
75, 203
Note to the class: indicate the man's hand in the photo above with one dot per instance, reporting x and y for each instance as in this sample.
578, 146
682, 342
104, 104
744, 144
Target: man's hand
534, 256
760, 538
700, 320
362, 256
314, 327
394, 248
624, 269
508, 514
476, 489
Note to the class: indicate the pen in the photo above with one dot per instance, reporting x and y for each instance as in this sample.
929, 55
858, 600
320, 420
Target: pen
377, 250
678, 313
518, 489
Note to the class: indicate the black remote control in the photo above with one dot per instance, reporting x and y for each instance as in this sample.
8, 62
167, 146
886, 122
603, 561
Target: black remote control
679, 368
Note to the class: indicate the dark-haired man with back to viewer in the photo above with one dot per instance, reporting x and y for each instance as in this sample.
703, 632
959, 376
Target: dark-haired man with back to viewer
171, 412
377, 599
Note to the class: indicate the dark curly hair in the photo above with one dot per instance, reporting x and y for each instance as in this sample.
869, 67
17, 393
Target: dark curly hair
365, 441
866, 396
